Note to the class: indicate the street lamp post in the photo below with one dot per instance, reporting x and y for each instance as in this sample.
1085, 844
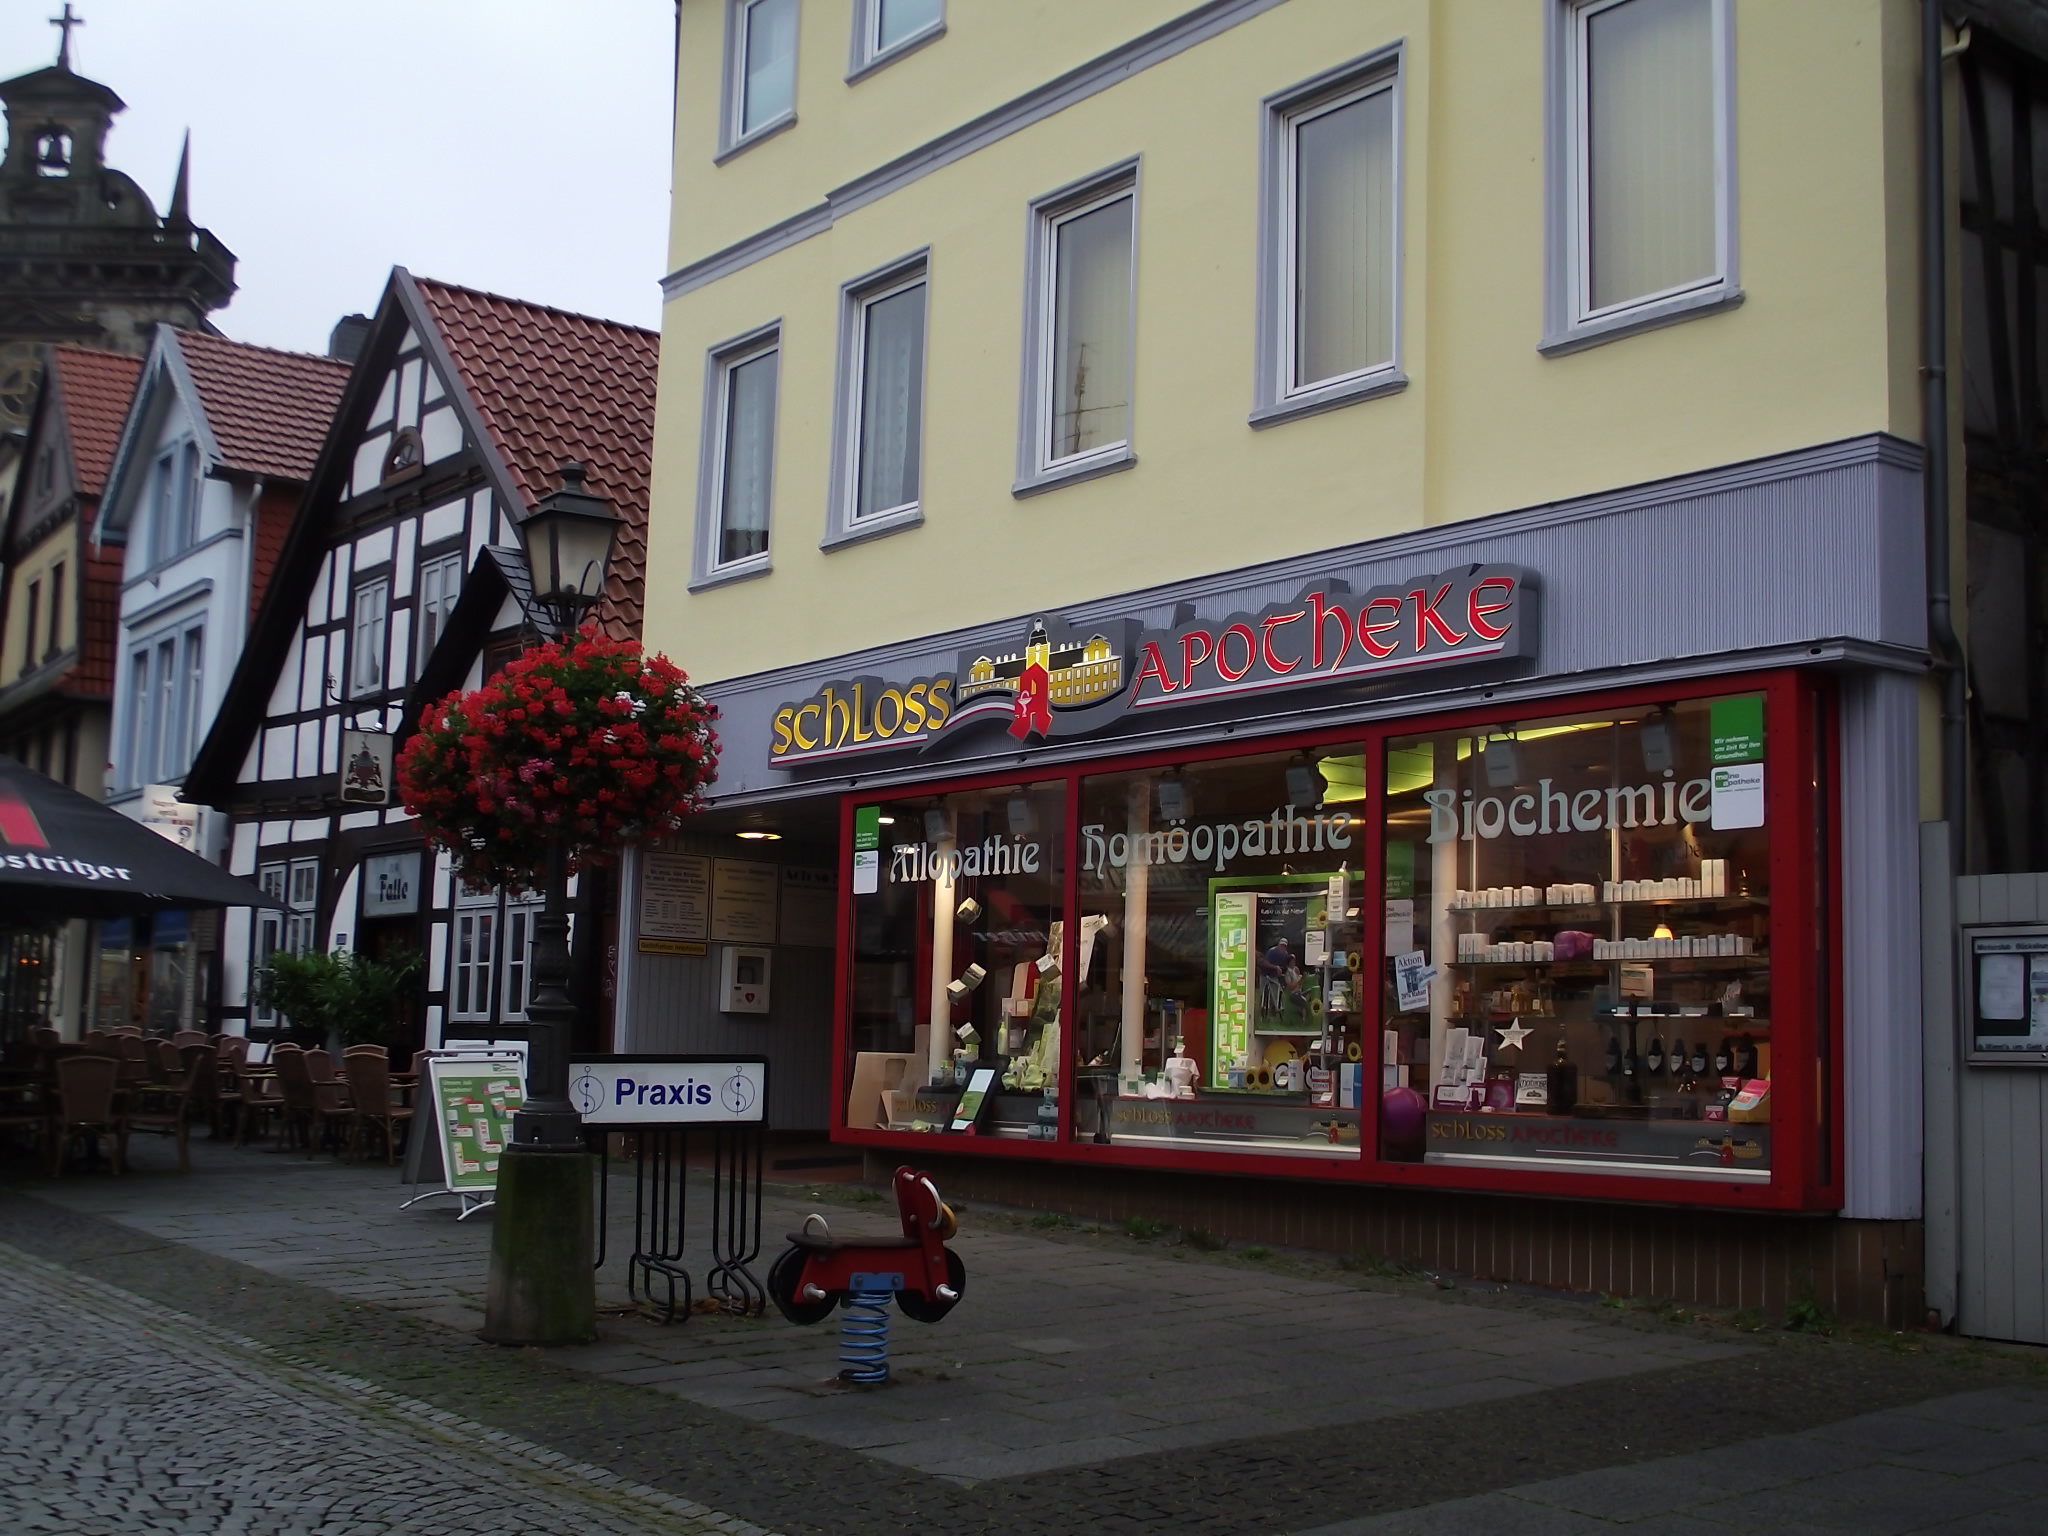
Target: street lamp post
542, 1289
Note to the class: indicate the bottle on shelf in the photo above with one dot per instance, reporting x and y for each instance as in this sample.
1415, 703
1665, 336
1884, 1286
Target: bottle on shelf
1653, 1059
1724, 1058
1678, 1056
1699, 1058
1745, 1058
1613, 1054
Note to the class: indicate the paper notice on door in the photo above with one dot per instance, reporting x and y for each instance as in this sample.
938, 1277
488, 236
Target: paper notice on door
1738, 797
1400, 924
2001, 986
1412, 975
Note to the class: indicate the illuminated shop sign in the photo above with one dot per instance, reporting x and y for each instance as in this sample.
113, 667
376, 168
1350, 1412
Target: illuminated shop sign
1062, 679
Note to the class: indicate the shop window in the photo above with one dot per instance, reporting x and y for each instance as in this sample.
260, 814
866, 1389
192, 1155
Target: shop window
1576, 921
737, 488
515, 988
760, 85
474, 942
1643, 147
1216, 999
1078, 341
1331, 247
956, 966
881, 403
884, 30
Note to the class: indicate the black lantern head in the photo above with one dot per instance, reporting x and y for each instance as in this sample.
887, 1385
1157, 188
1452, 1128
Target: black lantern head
569, 541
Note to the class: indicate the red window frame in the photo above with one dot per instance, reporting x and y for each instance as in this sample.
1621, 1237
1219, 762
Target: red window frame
1806, 927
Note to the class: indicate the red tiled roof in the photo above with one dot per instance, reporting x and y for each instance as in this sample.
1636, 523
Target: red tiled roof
96, 388
268, 410
553, 386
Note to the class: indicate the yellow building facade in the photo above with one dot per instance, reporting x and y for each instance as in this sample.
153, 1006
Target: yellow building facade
1311, 574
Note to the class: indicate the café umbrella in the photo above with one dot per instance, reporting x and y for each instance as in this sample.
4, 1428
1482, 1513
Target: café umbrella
63, 855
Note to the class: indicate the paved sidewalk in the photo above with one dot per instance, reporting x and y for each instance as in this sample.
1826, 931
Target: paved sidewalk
1088, 1382
119, 1416
1976, 1462
1058, 1356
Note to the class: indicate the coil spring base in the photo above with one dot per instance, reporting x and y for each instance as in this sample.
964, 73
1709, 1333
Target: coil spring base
864, 1337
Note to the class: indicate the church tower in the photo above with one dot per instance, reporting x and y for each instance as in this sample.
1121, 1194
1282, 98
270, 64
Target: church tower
84, 257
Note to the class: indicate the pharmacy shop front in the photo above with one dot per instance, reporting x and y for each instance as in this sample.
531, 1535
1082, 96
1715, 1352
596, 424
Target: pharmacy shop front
1552, 878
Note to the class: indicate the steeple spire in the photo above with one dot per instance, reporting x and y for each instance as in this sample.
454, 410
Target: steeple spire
179, 215
64, 24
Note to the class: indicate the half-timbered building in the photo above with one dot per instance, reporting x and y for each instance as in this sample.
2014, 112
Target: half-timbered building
459, 413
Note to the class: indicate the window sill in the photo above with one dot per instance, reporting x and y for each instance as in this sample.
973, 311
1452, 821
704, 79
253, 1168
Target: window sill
1683, 306
875, 527
737, 570
1072, 474
741, 145
1313, 402
904, 49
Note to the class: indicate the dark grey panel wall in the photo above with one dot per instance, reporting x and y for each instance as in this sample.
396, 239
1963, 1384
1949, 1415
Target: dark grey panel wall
673, 1003
1757, 559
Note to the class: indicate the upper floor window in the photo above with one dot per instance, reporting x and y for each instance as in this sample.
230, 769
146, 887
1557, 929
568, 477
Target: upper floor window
1078, 343
56, 610
737, 487
440, 585
174, 502
165, 703
1643, 154
884, 29
30, 617
760, 69
367, 637
881, 402
1330, 241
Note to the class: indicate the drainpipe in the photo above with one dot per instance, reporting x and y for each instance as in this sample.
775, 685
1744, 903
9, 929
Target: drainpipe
1941, 632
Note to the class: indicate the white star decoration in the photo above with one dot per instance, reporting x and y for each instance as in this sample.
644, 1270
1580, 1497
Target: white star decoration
1513, 1035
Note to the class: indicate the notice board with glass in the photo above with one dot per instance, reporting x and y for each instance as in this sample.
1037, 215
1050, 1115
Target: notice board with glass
2006, 970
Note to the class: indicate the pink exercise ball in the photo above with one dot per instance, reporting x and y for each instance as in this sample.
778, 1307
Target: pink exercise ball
1401, 1117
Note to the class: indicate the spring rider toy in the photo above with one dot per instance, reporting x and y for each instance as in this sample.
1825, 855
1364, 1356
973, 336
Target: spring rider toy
862, 1274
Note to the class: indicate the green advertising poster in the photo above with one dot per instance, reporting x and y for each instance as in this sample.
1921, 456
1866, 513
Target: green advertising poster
1400, 870
867, 850
1738, 729
1230, 1017
475, 1103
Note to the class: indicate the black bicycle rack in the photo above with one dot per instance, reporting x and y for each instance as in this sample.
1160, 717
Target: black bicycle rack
656, 1274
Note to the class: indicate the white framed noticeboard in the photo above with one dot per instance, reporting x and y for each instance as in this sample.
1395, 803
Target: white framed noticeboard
2005, 972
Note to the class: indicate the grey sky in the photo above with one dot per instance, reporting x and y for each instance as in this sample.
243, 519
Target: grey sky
515, 145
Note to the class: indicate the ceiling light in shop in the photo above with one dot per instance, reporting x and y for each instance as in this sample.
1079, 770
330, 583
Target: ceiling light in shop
1173, 800
1304, 784
1021, 820
756, 835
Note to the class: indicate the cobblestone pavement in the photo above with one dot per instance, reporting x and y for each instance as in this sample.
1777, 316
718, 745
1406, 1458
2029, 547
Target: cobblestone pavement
1349, 1398
1060, 1355
120, 1416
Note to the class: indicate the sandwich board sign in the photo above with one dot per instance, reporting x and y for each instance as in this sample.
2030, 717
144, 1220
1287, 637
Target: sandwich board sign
472, 1098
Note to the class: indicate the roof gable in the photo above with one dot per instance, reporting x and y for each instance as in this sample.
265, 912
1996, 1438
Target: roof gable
95, 389
532, 388
268, 410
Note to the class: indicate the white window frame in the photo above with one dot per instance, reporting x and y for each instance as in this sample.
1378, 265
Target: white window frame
719, 363
476, 913
1037, 468
869, 55
843, 522
358, 687
268, 937
163, 714
732, 134
1569, 322
439, 606
515, 955
1277, 395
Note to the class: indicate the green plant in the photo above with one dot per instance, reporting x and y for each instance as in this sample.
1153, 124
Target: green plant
1749, 1319
1805, 1314
1143, 1228
341, 993
1202, 1238
1256, 1251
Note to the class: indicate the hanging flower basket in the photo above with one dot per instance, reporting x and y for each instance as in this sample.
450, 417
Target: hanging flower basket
590, 739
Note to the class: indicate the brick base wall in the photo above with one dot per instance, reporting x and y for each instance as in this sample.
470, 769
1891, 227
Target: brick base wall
1863, 1271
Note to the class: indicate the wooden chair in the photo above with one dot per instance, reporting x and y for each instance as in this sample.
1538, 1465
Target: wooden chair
85, 1106
137, 1064
261, 1098
376, 1099
31, 1114
295, 1090
162, 1105
185, 1037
